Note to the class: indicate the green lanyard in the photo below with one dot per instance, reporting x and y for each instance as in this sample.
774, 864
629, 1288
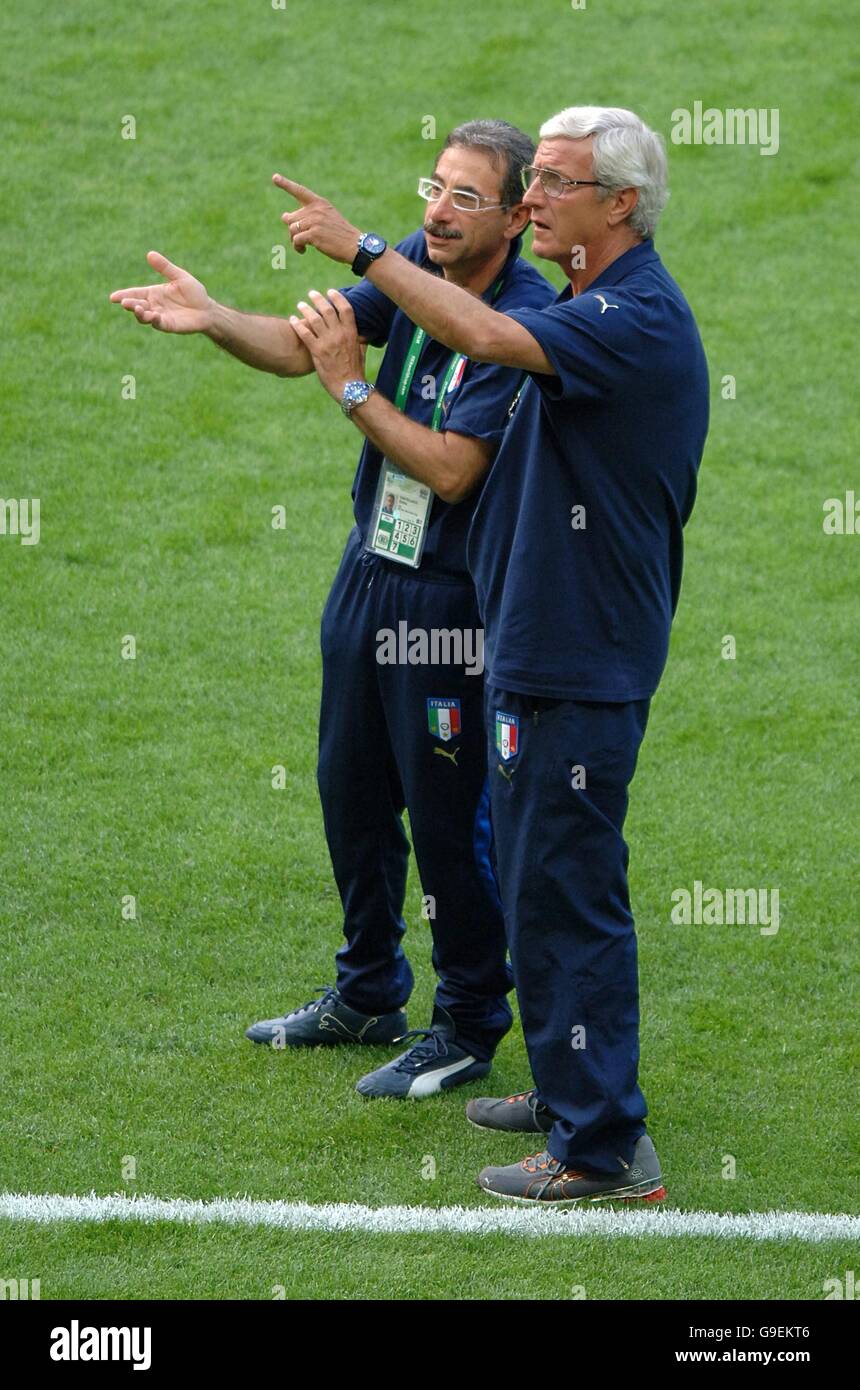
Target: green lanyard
410, 366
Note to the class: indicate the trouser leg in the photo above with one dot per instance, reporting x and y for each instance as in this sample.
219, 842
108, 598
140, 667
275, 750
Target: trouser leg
558, 803
435, 719
362, 798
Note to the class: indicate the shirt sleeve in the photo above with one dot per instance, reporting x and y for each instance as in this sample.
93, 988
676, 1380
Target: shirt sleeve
481, 404
373, 310
592, 342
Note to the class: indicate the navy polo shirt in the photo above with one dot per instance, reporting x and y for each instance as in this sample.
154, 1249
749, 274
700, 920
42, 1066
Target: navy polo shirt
477, 405
576, 546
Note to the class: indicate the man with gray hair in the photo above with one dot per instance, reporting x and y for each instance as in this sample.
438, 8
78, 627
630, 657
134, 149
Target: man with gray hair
576, 551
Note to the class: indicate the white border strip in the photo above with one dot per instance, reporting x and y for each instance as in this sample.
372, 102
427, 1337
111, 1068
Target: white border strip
503, 1220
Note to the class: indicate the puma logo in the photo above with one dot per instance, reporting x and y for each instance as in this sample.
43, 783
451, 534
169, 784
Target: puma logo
332, 1024
506, 772
446, 754
604, 306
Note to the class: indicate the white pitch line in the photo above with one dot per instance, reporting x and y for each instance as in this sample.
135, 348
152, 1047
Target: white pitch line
501, 1220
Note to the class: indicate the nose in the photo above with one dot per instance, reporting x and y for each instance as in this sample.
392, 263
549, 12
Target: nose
439, 205
534, 195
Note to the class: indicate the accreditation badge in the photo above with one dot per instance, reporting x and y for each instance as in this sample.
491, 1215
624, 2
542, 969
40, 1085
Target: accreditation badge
401, 510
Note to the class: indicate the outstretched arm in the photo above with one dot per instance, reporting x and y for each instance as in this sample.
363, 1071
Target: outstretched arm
448, 313
264, 342
182, 305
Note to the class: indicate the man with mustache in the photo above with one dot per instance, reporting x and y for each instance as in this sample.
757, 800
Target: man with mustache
405, 733
576, 549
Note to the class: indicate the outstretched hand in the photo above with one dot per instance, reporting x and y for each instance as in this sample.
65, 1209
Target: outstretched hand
318, 223
182, 305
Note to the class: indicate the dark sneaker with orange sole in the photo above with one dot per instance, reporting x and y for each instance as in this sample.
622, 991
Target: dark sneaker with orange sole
542, 1178
520, 1114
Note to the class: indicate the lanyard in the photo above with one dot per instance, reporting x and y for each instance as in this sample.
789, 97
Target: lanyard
410, 366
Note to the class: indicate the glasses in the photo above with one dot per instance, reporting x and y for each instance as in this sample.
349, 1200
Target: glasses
552, 183
431, 190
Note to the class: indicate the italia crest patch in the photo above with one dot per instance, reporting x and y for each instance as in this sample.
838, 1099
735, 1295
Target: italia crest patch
457, 377
507, 735
443, 718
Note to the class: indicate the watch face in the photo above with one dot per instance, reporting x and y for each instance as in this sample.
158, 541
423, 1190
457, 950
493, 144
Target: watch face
373, 243
355, 393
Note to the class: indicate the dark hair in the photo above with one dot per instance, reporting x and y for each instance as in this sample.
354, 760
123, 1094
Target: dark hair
508, 145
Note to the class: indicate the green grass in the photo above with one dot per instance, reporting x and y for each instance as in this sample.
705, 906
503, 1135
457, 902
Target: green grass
152, 777
164, 1261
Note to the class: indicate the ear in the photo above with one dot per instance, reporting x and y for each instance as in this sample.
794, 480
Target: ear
518, 219
621, 204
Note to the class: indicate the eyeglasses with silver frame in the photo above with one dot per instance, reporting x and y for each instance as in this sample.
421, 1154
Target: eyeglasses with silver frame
552, 182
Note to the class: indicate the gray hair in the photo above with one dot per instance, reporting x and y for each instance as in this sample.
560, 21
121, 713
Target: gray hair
626, 154
510, 148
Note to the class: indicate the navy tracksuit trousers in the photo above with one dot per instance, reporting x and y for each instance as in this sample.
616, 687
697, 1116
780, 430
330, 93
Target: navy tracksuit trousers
378, 756
558, 807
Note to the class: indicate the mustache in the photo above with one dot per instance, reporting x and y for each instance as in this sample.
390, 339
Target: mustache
436, 229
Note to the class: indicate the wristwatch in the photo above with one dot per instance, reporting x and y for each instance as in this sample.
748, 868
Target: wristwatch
370, 248
355, 393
